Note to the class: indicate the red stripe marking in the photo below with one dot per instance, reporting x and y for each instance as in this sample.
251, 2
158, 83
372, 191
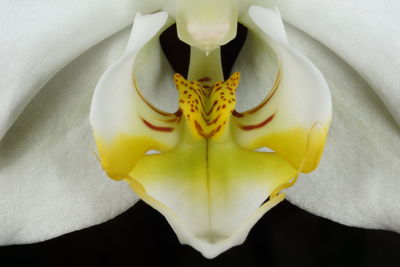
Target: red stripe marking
214, 121
257, 126
269, 97
212, 108
237, 114
157, 128
198, 127
204, 79
147, 102
260, 106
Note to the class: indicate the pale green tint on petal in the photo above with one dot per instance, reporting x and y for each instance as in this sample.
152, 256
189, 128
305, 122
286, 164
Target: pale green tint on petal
210, 199
202, 65
357, 182
50, 180
206, 24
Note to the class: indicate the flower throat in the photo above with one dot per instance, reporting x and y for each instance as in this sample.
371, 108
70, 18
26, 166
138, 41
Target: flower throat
207, 109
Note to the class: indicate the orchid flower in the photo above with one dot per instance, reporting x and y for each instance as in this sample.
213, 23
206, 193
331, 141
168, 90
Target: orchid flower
202, 165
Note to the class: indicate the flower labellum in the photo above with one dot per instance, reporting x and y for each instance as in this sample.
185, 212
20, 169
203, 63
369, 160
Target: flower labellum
211, 179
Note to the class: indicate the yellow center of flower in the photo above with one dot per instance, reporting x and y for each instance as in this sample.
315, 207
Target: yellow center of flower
207, 110
209, 178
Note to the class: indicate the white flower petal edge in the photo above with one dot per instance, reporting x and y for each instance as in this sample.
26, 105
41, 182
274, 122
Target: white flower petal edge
50, 180
38, 38
299, 105
364, 33
210, 201
357, 182
119, 112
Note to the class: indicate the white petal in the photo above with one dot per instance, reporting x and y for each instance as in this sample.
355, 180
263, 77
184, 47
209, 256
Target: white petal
357, 182
294, 118
50, 180
365, 33
38, 38
123, 121
258, 67
117, 96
